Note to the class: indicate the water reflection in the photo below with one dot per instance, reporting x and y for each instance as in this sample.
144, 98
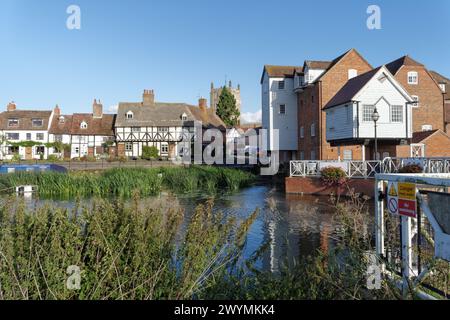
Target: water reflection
295, 226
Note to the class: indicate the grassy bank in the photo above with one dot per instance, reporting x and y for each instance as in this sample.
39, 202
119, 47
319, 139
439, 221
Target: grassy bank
123, 181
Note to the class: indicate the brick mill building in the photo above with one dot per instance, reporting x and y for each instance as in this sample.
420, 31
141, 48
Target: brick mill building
314, 85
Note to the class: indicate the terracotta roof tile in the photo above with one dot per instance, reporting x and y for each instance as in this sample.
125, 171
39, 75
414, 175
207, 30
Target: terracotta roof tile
25, 118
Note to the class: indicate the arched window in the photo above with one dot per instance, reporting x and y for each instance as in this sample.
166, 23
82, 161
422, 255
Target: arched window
83, 125
129, 115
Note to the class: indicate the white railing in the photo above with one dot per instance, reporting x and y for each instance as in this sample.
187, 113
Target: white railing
368, 169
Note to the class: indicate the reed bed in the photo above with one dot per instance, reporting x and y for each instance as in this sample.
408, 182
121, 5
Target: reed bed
122, 181
123, 251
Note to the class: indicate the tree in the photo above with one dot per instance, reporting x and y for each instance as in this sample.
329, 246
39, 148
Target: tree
150, 152
227, 109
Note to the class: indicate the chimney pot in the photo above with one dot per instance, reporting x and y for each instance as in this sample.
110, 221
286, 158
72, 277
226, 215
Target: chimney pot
11, 106
97, 109
148, 98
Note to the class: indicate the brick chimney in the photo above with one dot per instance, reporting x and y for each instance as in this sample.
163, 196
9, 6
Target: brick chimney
148, 98
11, 106
203, 104
97, 109
57, 111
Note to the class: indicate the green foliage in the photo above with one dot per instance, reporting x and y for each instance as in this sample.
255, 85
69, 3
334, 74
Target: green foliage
412, 168
227, 109
124, 251
25, 144
149, 152
333, 176
16, 157
122, 181
53, 158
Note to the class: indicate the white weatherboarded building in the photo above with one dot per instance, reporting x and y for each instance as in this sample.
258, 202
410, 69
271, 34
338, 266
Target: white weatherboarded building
349, 113
279, 110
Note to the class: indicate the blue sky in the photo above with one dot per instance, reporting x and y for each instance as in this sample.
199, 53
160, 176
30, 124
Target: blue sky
178, 47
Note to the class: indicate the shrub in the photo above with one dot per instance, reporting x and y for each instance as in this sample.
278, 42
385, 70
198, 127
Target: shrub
53, 158
16, 157
333, 176
150, 152
412, 168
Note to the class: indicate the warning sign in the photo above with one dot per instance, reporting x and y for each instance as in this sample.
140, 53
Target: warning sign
407, 208
407, 191
401, 199
392, 199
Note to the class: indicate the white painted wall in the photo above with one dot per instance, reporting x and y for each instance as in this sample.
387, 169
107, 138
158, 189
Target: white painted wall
286, 124
381, 94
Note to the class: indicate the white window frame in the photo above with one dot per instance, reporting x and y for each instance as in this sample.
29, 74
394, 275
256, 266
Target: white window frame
347, 154
40, 134
15, 122
129, 115
164, 148
413, 77
37, 120
397, 114
129, 147
83, 125
442, 85
367, 112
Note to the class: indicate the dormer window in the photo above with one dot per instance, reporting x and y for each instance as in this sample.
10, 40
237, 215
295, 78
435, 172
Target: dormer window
129, 115
184, 117
442, 85
13, 122
62, 119
413, 77
83, 125
37, 122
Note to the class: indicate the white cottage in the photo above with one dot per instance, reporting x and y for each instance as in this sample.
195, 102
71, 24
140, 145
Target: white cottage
349, 112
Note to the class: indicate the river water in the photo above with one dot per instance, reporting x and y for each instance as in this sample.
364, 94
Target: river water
295, 225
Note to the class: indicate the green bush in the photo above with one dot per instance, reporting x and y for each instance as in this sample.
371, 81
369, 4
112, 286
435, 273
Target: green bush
151, 152
333, 176
53, 158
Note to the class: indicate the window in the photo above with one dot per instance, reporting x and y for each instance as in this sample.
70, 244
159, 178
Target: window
416, 99
184, 117
135, 129
62, 119
164, 148
28, 136
312, 99
163, 129
40, 150
128, 146
397, 113
302, 132
83, 125
313, 155
77, 150
281, 85
13, 150
413, 77
37, 122
367, 113
442, 85
58, 138
282, 109
427, 127
313, 130
39, 136
302, 155
13, 122
352, 73
12, 136
129, 115
348, 155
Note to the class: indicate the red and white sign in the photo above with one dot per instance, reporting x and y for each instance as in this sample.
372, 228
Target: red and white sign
407, 208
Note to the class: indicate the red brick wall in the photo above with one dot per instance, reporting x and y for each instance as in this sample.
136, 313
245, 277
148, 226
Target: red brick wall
430, 110
315, 186
311, 112
437, 145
